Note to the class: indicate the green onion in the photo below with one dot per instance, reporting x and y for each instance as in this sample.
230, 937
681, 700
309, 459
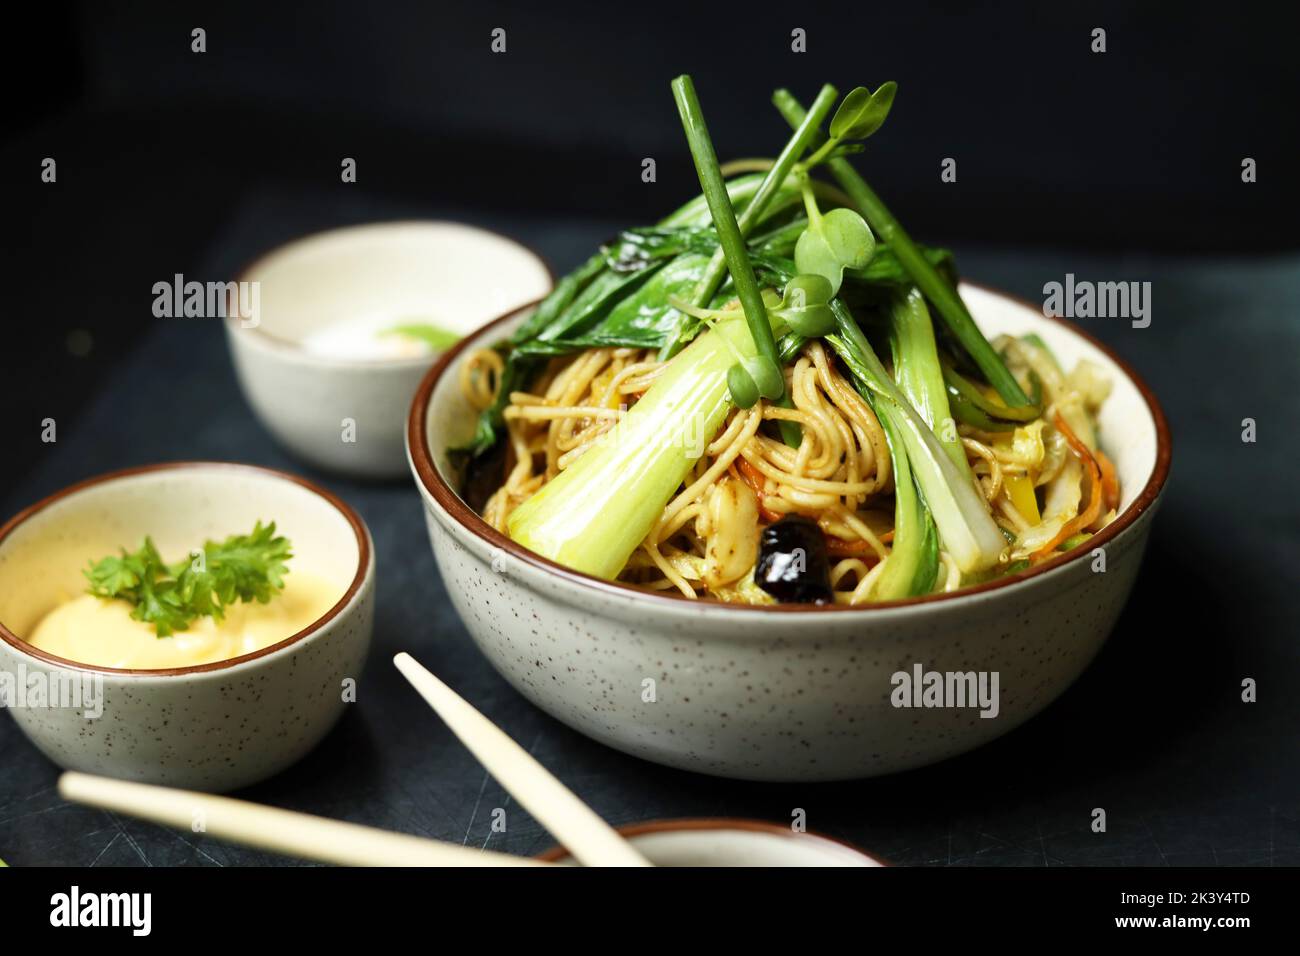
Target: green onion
803, 136
729, 237
935, 287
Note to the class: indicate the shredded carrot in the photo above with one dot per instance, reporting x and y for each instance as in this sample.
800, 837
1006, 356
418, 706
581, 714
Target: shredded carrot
1109, 481
754, 478
1088, 515
839, 548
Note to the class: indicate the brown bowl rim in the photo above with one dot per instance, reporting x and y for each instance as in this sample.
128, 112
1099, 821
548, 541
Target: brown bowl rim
422, 461
353, 519
294, 348
688, 824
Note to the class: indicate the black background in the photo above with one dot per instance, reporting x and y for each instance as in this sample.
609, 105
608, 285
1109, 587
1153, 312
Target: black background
1123, 165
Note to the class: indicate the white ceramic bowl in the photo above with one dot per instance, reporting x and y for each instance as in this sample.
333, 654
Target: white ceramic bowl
348, 413
790, 692
727, 842
216, 726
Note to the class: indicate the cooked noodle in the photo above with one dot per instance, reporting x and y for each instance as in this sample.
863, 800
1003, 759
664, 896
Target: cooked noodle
705, 542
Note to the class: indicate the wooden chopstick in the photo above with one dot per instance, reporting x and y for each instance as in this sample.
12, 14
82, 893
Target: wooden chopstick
269, 828
590, 840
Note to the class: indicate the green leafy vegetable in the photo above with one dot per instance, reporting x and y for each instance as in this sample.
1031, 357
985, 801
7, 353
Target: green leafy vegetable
248, 567
919, 374
913, 562
966, 528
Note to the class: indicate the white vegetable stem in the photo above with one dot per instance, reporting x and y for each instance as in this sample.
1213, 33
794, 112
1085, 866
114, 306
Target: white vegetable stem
595, 513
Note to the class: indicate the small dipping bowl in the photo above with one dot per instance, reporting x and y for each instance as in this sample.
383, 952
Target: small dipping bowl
726, 842
316, 360
217, 726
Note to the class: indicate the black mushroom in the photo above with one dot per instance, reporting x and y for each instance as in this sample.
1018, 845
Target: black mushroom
792, 562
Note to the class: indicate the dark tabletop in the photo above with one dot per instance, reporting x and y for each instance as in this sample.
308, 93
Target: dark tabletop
1155, 731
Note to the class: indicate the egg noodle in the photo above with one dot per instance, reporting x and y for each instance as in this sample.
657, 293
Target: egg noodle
706, 541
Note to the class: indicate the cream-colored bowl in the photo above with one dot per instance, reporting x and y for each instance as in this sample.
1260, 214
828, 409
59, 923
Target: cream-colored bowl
216, 726
791, 692
347, 412
727, 842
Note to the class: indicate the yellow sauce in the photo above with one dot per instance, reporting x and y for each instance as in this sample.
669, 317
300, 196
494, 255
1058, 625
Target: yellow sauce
100, 632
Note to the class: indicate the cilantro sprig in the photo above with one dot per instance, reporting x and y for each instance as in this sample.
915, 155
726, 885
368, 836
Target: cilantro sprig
244, 567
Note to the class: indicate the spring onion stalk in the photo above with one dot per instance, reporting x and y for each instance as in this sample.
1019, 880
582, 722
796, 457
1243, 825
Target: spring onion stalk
913, 562
803, 136
918, 373
966, 528
931, 283
729, 237
595, 513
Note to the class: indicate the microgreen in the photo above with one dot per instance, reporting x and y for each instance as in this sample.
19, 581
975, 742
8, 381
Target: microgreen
937, 289
247, 567
862, 112
833, 242
806, 305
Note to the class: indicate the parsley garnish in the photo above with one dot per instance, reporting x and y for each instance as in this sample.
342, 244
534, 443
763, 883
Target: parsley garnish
244, 567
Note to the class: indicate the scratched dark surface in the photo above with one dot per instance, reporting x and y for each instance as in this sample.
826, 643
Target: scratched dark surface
1154, 732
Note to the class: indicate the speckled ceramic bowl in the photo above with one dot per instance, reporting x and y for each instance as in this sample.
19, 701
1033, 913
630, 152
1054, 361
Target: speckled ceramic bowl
726, 842
343, 412
215, 726
791, 692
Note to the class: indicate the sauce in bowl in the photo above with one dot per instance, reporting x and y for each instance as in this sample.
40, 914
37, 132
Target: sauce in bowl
101, 632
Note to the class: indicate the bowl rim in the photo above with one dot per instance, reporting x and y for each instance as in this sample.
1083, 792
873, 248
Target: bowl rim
432, 483
358, 579
744, 824
290, 348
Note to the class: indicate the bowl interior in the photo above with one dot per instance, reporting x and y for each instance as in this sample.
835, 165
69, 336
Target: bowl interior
686, 844
1127, 429
451, 275
42, 557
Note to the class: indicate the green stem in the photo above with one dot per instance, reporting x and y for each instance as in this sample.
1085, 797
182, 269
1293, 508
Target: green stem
933, 285
729, 237
805, 132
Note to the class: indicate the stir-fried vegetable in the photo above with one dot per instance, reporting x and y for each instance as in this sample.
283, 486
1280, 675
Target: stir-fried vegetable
967, 529
930, 282
913, 562
918, 373
592, 516
731, 287
762, 373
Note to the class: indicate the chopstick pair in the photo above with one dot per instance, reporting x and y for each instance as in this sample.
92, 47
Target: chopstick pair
590, 840
270, 828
